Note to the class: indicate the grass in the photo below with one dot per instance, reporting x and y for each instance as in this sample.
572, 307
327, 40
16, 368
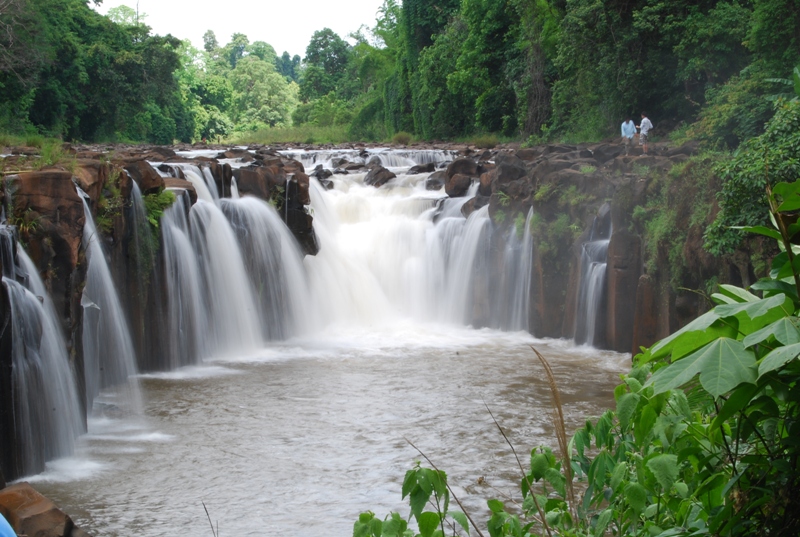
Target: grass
402, 138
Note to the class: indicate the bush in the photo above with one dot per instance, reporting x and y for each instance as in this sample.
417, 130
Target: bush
401, 138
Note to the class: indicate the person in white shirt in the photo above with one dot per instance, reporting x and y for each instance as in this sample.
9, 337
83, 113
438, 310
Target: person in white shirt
628, 132
644, 129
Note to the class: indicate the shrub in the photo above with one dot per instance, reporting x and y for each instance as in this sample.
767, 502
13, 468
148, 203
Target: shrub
401, 138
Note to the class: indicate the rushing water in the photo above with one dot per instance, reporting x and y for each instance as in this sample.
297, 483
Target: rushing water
298, 380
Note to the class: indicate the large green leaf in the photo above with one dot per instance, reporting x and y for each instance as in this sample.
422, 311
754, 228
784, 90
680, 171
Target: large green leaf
665, 468
778, 358
737, 293
626, 406
722, 365
663, 347
428, 522
755, 315
784, 330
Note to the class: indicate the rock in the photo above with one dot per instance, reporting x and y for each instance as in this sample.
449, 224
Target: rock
91, 176
29, 513
546, 167
457, 185
463, 166
145, 175
508, 168
645, 324
173, 171
355, 167
323, 176
378, 176
435, 181
340, 163
374, 162
171, 183
528, 154
302, 180
605, 152
485, 189
422, 168
474, 204
622, 273
258, 180
236, 153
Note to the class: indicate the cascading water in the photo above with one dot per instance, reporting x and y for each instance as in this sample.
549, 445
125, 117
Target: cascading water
513, 289
591, 295
108, 354
47, 411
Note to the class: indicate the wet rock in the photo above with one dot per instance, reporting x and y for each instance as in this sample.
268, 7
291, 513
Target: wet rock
340, 163
422, 168
529, 154
91, 175
378, 176
604, 152
237, 153
171, 183
173, 171
258, 181
457, 185
435, 181
323, 176
29, 513
145, 175
463, 166
474, 204
622, 273
645, 325
374, 162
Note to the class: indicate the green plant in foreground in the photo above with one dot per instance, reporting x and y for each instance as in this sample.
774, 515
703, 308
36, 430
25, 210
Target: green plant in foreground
704, 436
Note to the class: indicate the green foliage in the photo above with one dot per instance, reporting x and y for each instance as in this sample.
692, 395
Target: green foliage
401, 138
767, 159
300, 134
155, 205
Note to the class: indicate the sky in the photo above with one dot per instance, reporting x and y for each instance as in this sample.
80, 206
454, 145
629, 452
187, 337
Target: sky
287, 25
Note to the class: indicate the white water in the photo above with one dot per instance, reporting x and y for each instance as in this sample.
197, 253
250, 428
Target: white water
108, 354
594, 255
47, 411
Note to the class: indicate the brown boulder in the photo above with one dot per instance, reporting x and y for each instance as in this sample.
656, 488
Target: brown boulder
145, 175
645, 325
91, 175
258, 181
529, 154
463, 166
435, 181
29, 513
457, 185
378, 176
422, 168
622, 273
303, 196
171, 183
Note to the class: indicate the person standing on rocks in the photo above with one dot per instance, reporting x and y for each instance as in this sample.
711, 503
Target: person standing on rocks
644, 130
628, 132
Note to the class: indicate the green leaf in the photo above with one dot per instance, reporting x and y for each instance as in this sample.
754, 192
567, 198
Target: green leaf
663, 347
428, 522
556, 479
740, 397
495, 506
461, 518
761, 230
626, 406
418, 500
682, 489
618, 475
778, 358
784, 330
409, 482
636, 496
665, 468
722, 365
644, 425
376, 527
539, 465
755, 315
737, 293
602, 522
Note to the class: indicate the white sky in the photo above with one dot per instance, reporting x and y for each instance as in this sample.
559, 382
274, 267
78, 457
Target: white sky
284, 24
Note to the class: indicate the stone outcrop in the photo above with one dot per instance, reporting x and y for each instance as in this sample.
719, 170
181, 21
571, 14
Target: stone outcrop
29, 513
378, 176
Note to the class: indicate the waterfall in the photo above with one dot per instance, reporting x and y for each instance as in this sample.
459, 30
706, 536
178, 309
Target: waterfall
389, 253
186, 314
47, 411
512, 294
592, 291
108, 354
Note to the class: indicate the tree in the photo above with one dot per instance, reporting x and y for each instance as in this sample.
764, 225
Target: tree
126, 16
235, 50
262, 97
210, 41
288, 66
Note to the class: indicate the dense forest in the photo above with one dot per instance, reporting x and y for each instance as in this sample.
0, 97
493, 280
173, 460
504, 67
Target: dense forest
530, 70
